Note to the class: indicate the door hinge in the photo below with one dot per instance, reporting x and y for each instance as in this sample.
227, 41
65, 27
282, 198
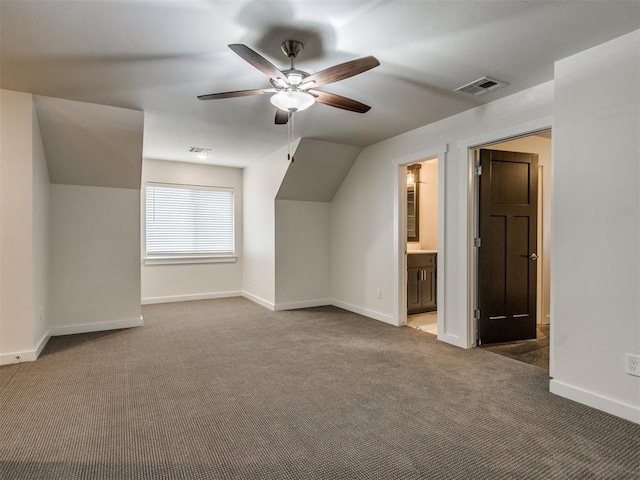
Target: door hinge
477, 170
477, 242
476, 314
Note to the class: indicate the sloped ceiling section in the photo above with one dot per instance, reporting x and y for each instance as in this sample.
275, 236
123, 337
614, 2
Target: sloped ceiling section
92, 145
318, 171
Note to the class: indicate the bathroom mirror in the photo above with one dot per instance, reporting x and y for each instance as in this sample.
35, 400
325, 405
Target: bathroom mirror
413, 218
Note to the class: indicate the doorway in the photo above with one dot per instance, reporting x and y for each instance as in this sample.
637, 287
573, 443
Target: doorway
422, 245
512, 294
436, 159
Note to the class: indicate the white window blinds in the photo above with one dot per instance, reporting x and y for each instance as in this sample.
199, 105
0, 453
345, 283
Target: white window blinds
189, 220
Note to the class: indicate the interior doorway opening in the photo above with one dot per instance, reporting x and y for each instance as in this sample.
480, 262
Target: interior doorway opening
437, 156
498, 305
422, 245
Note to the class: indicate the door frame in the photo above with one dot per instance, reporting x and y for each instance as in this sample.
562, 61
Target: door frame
467, 153
400, 237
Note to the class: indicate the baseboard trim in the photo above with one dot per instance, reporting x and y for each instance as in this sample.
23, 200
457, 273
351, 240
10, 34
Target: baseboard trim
304, 304
18, 357
259, 301
27, 355
190, 297
97, 327
599, 402
32, 355
454, 340
42, 343
365, 311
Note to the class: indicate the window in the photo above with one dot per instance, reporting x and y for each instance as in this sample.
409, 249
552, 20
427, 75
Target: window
186, 223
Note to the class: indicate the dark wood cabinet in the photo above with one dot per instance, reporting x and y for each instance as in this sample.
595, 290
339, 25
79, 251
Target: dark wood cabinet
421, 282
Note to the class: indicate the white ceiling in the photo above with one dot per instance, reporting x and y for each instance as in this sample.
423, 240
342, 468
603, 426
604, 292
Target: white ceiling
158, 56
88, 144
317, 171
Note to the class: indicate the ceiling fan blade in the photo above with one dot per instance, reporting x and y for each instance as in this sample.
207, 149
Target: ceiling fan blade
258, 61
341, 71
338, 101
237, 93
282, 117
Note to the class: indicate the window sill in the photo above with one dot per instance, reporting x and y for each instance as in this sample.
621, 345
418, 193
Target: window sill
181, 260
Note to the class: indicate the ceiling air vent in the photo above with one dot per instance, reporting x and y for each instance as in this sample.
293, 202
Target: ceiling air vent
482, 86
200, 153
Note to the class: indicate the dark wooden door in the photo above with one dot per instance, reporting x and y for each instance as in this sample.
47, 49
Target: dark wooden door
507, 253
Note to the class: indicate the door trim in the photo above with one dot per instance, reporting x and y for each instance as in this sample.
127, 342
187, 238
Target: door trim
400, 241
468, 222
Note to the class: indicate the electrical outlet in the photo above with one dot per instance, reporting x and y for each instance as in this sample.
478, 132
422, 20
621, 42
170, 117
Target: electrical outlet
379, 294
632, 366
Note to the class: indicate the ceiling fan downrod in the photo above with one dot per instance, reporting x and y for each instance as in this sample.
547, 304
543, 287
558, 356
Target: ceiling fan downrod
291, 49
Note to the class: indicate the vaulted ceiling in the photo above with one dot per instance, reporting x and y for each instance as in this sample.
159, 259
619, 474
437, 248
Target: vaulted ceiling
157, 56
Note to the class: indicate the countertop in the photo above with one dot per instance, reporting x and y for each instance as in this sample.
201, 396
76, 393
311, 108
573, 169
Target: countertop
411, 252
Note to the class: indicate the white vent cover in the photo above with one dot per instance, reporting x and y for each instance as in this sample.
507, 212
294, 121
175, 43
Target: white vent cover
200, 153
482, 86
197, 150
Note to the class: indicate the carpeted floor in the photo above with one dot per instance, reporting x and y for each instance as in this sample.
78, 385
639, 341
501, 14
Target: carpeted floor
225, 389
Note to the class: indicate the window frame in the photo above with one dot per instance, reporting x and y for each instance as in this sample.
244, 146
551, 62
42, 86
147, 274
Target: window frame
189, 258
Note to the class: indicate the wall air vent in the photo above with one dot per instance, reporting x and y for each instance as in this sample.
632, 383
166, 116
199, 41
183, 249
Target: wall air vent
482, 86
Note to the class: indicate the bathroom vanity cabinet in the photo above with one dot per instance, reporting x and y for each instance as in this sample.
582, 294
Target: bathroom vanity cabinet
421, 282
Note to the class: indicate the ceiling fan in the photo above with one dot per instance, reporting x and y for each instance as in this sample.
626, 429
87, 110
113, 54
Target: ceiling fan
294, 90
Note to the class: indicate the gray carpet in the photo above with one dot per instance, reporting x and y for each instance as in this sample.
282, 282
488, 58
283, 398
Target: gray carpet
225, 389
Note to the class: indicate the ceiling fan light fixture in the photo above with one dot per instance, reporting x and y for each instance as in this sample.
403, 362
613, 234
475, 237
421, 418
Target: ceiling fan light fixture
294, 79
292, 100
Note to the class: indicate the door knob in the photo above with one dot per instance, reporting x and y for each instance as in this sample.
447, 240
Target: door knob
533, 256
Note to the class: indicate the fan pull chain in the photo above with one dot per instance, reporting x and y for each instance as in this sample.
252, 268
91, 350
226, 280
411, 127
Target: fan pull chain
290, 135
293, 127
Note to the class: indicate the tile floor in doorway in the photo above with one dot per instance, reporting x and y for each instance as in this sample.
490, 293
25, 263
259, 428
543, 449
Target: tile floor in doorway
534, 352
427, 322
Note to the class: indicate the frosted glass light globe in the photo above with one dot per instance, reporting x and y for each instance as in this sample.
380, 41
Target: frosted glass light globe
293, 100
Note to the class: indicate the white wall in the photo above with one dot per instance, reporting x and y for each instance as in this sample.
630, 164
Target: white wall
261, 181
318, 171
41, 225
362, 247
69, 255
596, 264
429, 205
303, 256
17, 310
91, 145
176, 282
361, 238
541, 146
95, 258
24, 231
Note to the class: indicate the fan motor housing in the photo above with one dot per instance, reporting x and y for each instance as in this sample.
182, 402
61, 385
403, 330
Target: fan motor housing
287, 72
291, 48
